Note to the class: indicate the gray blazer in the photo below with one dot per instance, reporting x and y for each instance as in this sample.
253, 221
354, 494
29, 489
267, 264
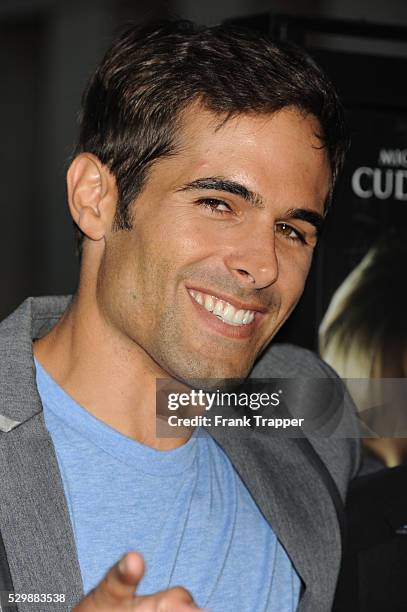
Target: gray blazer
298, 490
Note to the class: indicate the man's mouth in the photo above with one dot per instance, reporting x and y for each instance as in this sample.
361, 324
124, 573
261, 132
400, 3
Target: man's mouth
223, 310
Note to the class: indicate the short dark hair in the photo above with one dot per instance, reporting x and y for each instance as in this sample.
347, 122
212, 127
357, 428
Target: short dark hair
153, 72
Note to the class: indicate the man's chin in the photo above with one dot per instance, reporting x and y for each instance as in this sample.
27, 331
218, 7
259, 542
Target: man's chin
205, 374
210, 381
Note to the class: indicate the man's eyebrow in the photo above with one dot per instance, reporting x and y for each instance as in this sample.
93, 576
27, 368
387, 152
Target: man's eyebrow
305, 214
235, 188
223, 184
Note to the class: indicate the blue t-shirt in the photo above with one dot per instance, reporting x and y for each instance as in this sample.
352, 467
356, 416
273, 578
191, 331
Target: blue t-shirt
185, 510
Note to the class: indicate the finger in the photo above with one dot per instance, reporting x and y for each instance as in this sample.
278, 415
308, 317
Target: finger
120, 582
176, 599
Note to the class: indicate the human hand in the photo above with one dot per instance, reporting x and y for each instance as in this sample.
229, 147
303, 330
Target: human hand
116, 592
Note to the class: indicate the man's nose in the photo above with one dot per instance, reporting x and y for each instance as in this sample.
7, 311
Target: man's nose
254, 261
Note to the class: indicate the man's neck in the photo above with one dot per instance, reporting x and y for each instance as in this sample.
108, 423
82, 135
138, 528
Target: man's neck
112, 378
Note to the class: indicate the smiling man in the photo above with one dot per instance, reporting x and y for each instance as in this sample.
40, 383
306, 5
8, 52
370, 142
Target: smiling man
205, 163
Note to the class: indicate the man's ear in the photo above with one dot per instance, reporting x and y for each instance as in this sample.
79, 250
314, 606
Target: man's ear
92, 195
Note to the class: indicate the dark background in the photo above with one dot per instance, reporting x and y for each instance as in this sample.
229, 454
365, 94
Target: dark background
48, 49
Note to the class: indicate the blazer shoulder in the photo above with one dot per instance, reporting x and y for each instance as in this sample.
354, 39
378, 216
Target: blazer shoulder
339, 443
290, 361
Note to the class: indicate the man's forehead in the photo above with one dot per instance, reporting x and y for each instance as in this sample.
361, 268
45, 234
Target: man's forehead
251, 148
198, 123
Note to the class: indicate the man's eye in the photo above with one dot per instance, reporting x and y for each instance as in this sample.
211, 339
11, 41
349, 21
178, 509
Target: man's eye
290, 232
214, 205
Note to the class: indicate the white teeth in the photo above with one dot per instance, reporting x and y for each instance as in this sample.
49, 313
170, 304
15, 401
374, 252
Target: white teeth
209, 303
229, 313
248, 317
238, 318
218, 310
223, 310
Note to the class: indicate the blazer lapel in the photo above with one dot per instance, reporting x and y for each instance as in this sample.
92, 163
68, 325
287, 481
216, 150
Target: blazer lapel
294, 500
34, 518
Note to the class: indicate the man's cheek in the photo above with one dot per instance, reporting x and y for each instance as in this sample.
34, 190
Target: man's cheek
293, 273
191, 243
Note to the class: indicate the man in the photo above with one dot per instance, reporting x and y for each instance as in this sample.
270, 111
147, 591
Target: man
205, 162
